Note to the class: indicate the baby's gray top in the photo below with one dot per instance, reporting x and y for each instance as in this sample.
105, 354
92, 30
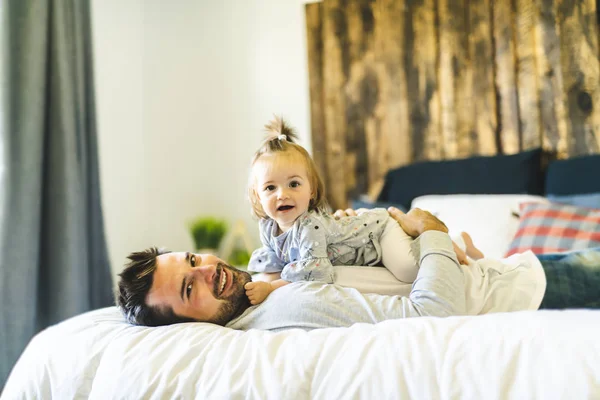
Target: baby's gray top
316, 242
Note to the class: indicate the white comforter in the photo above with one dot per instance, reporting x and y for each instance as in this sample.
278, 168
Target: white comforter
522, 355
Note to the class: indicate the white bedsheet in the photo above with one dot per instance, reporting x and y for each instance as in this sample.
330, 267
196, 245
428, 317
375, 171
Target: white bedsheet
523, 355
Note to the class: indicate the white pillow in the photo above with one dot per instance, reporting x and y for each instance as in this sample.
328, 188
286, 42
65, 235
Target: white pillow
491, 219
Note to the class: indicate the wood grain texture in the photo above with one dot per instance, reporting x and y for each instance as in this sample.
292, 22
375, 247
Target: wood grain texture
336, 68
527, 82
362, 98
505, 71
314, 41
549, 76
482, 92
451, 75
579, 63
396, 140
421, 60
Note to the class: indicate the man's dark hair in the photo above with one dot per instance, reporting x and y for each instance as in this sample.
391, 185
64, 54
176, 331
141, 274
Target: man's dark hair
134, 285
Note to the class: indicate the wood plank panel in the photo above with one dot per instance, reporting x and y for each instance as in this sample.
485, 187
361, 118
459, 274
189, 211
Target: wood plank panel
527, 82
579, 62
407, 51
421, 62
335, 72
483, 93
592, 61
314, 40
550, 81
362, 98
455, 78
394, 108
506, 77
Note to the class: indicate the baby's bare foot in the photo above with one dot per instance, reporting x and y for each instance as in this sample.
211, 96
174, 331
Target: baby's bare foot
470, 248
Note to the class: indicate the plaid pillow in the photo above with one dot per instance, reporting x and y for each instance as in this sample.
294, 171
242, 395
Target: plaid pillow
553, 227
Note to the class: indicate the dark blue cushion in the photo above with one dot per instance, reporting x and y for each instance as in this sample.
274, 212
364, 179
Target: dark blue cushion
574, 176
514, 174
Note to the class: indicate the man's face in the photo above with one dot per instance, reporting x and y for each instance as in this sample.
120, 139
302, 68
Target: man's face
198, 286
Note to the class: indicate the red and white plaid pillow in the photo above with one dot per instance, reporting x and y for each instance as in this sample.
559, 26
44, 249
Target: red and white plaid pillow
553, 227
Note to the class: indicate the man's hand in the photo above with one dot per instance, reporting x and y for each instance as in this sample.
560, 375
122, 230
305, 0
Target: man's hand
462, 257
258, 291
414, 223
417, 221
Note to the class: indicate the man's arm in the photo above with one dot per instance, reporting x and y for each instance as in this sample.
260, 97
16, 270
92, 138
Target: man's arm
439, 289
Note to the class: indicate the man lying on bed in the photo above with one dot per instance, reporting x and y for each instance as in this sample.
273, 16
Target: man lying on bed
161, 288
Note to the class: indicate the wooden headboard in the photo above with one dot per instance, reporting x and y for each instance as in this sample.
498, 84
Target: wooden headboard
398, 81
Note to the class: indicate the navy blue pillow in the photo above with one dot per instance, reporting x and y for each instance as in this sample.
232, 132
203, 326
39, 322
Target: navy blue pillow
578, 175
514, 174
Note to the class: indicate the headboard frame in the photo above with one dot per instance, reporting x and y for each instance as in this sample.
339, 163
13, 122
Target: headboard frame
397, 82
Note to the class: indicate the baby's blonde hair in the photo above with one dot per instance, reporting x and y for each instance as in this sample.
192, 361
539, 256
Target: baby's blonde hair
275, 143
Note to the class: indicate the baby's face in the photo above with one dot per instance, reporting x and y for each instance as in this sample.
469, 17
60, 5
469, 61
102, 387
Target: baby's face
283, 188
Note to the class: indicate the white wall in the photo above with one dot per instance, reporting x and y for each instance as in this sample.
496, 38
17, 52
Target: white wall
183, 90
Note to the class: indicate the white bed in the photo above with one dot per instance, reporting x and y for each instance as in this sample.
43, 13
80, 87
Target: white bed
522, 355
519, 355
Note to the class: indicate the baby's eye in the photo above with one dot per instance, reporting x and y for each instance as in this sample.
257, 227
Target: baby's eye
188, 290
193, 260
294, 184
270, 188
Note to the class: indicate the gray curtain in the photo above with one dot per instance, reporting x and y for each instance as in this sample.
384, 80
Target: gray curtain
53, 258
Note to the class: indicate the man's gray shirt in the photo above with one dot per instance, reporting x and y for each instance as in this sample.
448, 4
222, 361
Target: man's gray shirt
439, 290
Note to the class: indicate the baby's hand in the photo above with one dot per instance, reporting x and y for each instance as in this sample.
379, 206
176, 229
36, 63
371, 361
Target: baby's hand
258, 291
348, 212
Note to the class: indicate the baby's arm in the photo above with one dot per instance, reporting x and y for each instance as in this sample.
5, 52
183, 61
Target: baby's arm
311, 263
258, 291
265, 259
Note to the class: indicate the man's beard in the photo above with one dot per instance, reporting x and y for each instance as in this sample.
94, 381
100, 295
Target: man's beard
237, 302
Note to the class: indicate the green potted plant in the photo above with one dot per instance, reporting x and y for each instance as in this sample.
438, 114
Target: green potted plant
207, 233
239, 258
